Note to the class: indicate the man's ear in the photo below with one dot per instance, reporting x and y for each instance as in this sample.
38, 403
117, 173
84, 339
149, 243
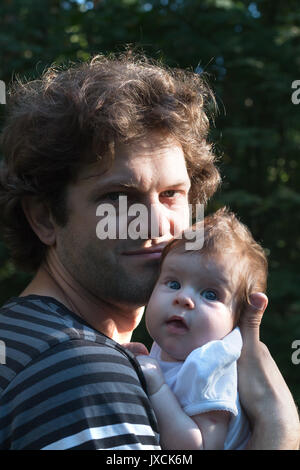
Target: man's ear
40, 219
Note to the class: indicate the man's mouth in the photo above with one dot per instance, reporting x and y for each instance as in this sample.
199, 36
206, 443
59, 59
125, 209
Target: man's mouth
147, 253
177, 324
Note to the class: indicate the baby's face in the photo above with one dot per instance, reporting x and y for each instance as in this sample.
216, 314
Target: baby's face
191, 304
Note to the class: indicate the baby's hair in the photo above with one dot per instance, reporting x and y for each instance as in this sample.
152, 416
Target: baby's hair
223, 235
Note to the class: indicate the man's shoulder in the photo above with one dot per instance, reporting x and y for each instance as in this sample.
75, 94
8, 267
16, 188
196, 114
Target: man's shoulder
66, 385
42, 319
35, 329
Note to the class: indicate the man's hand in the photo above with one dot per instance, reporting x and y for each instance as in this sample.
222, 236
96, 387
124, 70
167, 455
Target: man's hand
263, 391
136, 348
152, 372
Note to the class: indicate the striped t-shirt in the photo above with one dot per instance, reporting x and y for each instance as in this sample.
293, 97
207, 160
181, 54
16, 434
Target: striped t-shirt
63, 385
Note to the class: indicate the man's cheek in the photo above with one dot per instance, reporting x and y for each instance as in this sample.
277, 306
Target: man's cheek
180, 219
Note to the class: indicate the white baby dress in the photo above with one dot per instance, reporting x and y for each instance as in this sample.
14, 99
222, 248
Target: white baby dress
207, 381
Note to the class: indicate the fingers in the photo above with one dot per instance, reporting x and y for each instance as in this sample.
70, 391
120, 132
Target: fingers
136, 348
251, 318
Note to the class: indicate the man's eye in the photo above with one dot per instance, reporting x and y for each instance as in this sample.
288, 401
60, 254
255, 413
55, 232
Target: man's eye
209, 294
173, 285
169, 193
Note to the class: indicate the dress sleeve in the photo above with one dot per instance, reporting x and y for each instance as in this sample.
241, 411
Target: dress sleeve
208, 378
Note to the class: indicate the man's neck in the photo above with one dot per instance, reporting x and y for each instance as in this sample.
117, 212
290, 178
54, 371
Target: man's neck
114, 320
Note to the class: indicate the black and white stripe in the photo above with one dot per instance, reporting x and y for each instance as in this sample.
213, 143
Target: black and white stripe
66, 386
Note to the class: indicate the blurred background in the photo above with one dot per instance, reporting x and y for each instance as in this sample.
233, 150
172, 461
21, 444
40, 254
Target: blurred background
251, 53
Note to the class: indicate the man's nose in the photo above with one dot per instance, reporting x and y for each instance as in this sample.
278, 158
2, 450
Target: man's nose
159, 223
184, 300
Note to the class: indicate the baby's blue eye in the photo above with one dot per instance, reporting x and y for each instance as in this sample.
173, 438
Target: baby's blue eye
173, 284
209, 294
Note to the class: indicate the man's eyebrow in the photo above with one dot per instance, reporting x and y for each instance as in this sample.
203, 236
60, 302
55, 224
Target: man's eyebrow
114, 181
118, 182
112, 185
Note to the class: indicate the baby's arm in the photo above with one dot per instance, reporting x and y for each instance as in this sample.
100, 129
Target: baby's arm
177, 429
214, 428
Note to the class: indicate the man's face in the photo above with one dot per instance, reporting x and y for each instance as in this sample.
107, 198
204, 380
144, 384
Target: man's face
151, 172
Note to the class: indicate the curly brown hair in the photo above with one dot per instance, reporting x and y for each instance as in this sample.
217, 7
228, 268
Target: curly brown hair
71, 117
225, 235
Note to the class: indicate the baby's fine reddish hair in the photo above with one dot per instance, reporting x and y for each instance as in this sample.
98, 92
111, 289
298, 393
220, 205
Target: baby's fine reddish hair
225, 235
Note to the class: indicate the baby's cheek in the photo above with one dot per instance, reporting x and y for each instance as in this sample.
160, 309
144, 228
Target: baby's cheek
222, 324
152, 317
212, 326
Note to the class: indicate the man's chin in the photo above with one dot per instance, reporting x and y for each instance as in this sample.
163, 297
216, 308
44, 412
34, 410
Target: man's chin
141, 262
136, 289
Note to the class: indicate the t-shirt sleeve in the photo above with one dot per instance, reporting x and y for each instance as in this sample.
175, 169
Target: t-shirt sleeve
207, 380
78, 395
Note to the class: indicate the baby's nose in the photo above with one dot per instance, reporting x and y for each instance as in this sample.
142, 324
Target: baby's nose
184, 300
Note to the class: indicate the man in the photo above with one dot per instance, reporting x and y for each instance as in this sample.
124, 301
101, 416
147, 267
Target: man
73, 141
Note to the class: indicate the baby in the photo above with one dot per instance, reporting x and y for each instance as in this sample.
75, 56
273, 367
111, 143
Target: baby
191, 372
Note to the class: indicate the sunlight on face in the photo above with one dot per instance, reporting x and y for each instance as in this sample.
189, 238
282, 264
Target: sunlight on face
152, 172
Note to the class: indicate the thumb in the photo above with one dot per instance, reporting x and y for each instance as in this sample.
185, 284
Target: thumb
251, 317
136, 348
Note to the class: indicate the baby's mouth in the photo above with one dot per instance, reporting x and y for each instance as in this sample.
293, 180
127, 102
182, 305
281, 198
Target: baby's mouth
177, 324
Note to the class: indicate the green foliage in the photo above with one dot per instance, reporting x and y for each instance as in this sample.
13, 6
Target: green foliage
251, 51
